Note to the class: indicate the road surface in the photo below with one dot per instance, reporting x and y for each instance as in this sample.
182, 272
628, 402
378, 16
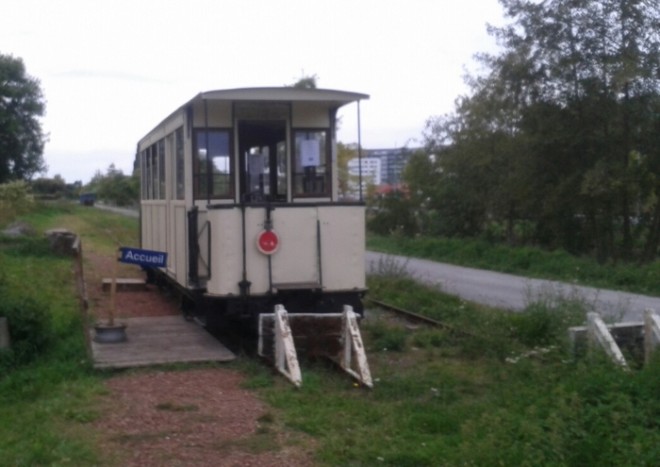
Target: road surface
514, 292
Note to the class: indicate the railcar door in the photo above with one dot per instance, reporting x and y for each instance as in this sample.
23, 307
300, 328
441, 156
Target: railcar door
263, 165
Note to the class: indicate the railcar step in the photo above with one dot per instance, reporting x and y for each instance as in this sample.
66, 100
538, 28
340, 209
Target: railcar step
124, 284
297, 286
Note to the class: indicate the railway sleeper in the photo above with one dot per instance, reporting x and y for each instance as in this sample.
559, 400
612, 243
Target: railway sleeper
332, 335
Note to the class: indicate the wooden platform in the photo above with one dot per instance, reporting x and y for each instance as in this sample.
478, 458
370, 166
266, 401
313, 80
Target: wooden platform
160, 340
124, 284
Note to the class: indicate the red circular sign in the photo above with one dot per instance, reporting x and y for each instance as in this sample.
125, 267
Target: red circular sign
268, 242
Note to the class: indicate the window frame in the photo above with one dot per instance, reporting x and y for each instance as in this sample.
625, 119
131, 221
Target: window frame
298, 189
204, 181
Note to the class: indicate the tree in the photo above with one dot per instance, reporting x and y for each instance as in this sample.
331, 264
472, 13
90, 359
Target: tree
306, 82
114, 187
21, 137
49, 187
561, 130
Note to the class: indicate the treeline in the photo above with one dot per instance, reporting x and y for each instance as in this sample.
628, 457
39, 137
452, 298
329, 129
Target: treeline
111, 187
558, 143
114, 187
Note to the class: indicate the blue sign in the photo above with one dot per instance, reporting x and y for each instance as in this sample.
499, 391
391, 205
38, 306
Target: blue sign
156, 259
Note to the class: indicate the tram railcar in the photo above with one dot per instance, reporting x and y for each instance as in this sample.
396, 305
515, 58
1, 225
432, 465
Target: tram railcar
240, 188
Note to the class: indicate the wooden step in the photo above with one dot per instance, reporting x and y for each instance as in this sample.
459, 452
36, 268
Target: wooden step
124, 284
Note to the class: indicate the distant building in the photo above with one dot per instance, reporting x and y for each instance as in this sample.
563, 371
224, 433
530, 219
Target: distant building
381, 166
370, 171
393, 162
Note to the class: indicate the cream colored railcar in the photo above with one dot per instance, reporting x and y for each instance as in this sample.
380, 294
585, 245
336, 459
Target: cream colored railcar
240, 188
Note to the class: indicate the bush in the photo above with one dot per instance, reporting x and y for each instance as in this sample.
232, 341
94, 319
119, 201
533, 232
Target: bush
30, 327
15, 199
545, 321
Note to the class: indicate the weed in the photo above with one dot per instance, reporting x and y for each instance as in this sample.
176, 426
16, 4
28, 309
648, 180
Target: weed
389, 266
383, 337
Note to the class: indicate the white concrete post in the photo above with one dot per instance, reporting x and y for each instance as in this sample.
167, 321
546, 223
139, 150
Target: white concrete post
599, 333
651, 333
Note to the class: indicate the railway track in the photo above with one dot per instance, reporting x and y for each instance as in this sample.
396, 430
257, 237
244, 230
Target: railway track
417, 318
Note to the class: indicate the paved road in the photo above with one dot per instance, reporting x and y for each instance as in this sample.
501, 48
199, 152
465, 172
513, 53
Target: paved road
514, 292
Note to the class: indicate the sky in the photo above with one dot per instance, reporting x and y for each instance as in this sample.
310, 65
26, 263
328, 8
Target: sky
111, 70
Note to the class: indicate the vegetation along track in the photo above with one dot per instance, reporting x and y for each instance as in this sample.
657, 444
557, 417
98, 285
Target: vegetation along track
417, 318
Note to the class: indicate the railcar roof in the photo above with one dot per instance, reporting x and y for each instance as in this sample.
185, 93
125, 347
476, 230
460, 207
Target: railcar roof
289, 94
330, 97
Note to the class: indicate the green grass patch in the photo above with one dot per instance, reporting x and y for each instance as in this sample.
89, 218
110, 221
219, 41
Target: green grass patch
47, 388
490, 388
507, 393
527, 261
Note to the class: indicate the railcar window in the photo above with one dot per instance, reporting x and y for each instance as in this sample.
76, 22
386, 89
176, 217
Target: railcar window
153, 165
212, 164
311, 169
144, 173
179, 164
161, 169
281, 169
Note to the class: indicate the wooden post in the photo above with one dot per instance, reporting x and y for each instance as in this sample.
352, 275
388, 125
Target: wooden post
113, 292
5, 342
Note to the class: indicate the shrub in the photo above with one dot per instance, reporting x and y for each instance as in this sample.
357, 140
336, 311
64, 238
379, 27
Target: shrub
30, 327
15, 199
546, 320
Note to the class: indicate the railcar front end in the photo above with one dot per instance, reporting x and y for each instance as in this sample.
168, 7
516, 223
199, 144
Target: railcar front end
240, 188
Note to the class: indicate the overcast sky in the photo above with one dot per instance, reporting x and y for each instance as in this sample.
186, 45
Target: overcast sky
110, 70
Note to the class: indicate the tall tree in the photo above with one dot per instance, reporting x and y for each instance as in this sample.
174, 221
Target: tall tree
561, 130
21, 137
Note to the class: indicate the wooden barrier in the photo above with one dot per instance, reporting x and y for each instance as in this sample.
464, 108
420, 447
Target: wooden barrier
332, 335
611, 337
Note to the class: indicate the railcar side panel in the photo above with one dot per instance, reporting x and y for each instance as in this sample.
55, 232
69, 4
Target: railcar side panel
226, 254
178, 251
297, 259
342, 246
154, 226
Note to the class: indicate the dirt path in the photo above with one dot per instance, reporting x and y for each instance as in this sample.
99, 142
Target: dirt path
195, 417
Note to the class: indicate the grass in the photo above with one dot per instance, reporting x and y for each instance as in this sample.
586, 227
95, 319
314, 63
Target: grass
492, 389
507, 392
48, 402
526, 261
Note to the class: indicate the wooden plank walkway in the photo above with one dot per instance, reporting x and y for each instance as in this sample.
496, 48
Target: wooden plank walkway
159, 340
